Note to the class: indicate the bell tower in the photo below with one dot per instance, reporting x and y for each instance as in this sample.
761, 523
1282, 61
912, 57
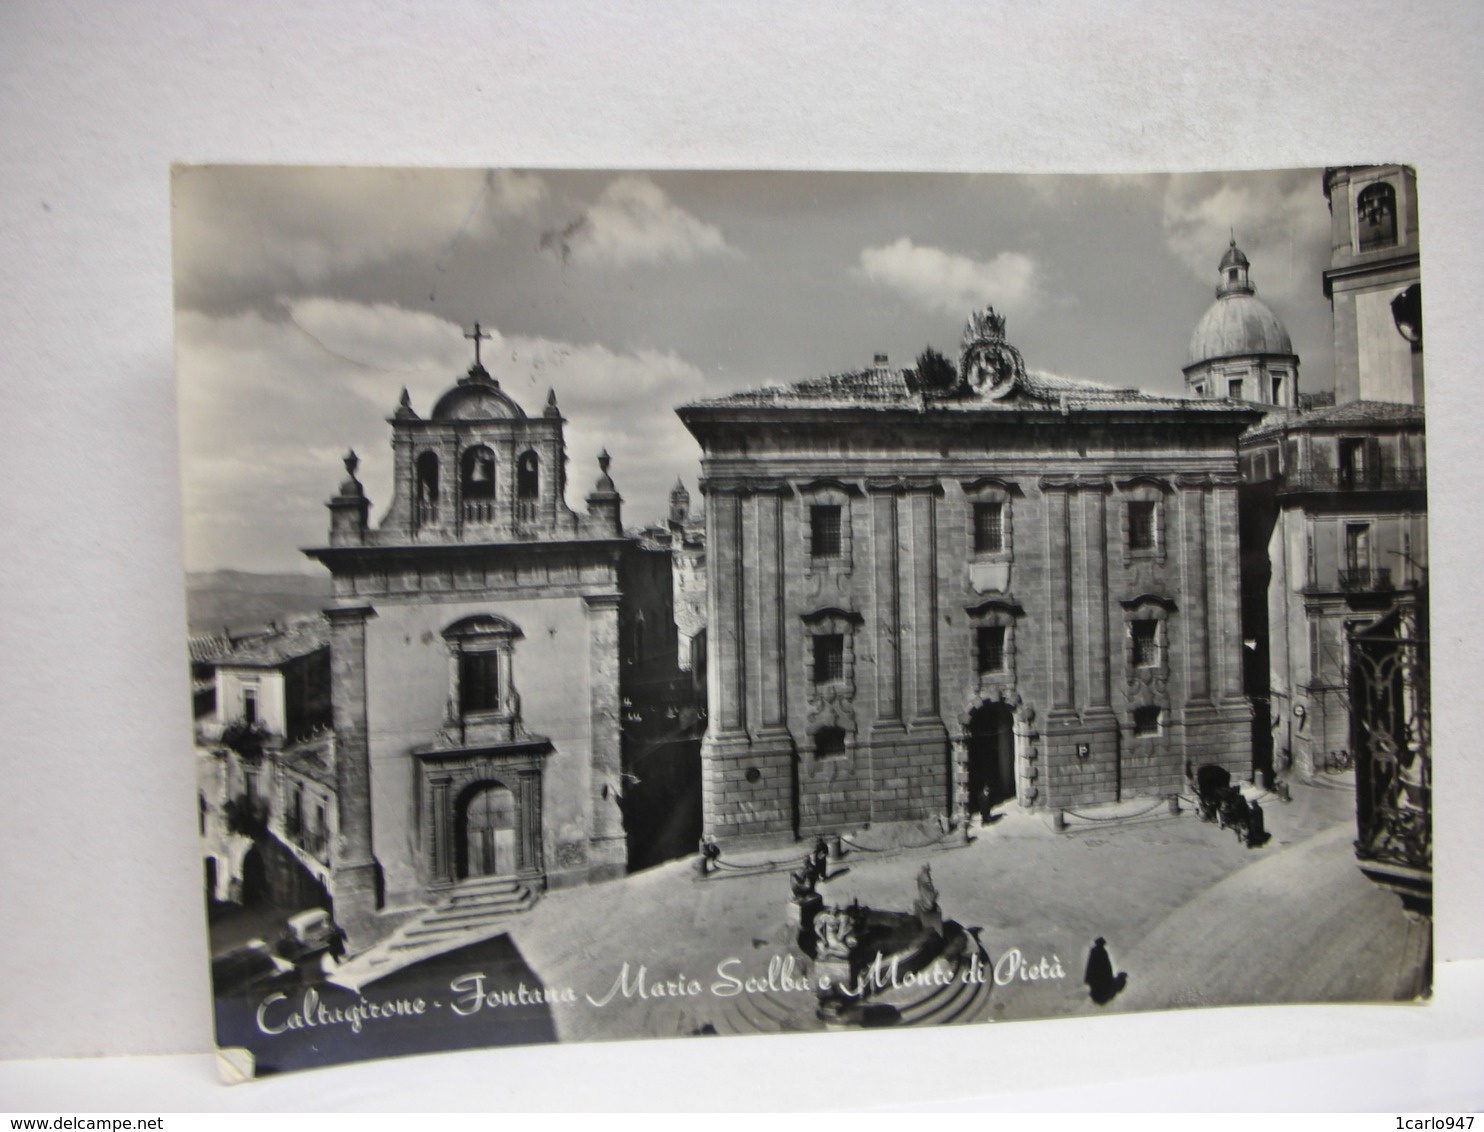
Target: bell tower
1374, 283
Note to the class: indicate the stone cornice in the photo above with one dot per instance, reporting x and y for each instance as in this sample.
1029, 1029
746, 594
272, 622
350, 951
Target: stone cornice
817, 615
1370, 267
1009, 486
350, 614
1200, 480
828, 483
346, 559
995, 605
1165, 603
1163, 485
902, 485
1074, 483
743, 485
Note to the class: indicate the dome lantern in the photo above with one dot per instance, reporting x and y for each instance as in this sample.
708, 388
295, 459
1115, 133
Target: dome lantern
1233, 270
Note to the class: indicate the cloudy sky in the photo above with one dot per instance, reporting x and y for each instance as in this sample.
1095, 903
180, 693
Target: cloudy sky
308, 298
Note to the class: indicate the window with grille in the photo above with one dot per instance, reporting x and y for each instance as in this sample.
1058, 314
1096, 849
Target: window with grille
829, 658
991, 648
824, 531
1146, 720
479, 681
1141, 526
829, 742
1146, 643
989, 528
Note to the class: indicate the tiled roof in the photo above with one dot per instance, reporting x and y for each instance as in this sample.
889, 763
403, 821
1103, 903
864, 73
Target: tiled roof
895, 389
206, 649
297, 639
1352, 414
313, 758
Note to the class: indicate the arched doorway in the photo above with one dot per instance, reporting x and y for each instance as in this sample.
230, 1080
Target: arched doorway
255, 887
991, 738
486, 832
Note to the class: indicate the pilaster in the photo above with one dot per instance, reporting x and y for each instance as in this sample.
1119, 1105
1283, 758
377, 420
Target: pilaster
355, 880
607, 846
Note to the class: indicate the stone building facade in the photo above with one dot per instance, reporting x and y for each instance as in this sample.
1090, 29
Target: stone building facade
1335, 496
488, 644
265, 758
1013, 584
1337, 507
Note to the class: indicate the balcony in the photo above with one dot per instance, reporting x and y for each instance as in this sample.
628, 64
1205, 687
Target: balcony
1360, 479
1366, 579
479, 510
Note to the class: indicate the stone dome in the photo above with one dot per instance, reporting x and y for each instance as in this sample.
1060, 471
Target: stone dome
1236, 325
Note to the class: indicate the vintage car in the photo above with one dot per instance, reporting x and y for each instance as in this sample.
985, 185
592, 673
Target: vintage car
307, 936
248, 967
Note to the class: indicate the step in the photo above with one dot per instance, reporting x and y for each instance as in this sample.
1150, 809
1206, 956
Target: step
477, 891
477, 911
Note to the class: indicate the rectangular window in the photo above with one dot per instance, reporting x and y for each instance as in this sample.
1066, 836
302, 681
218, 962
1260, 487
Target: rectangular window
1357, 546
829, 658
1146, 643
829, 742
989, 528
1277, 390
479, 686
1146, 721
824, 531
991, 640
1234, 389
249, 705
293, 812
1352, 462
1141, 526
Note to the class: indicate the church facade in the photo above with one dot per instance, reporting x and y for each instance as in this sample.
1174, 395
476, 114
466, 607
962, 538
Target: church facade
931, 593
487, 644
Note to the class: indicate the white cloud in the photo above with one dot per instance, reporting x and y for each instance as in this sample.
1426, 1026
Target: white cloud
278, 229
268, 406
1275, 220
634, 221
953, 283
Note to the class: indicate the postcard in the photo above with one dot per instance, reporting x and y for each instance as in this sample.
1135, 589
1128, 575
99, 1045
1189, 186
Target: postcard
646, 604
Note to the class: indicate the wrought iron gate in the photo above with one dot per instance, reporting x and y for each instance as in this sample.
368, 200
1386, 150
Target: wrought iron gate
1391, 735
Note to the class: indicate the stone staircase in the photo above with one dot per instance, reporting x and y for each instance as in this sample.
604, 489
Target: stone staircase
470, 911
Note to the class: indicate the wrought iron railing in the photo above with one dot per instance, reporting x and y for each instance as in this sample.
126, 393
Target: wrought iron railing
479, 510
1358, 479
1364, 579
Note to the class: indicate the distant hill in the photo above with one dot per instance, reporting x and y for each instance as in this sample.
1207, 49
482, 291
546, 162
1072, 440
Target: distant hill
239, 600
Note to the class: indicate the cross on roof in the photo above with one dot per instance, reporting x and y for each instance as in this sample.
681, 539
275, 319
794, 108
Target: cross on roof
477, 337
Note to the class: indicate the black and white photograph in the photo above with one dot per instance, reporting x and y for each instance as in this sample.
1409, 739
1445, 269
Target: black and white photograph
679, 604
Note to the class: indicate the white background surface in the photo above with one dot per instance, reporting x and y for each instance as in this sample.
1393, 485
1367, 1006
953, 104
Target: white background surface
99, 875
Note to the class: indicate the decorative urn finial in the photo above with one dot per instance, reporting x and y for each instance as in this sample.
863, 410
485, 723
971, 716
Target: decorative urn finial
351, 486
